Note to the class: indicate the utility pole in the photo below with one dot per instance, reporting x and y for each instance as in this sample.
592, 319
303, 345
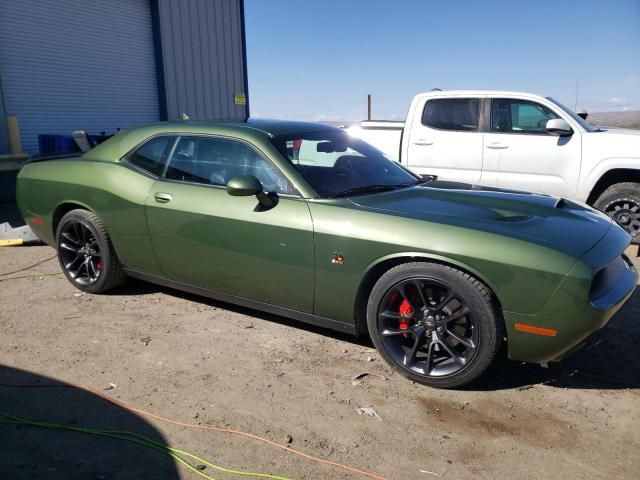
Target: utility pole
369, 107
575, 106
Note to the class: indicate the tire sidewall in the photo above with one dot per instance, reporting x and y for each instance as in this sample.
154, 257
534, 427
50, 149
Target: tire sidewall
486, 321
84, 217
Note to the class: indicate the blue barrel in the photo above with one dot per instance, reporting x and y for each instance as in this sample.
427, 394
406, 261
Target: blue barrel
57, 144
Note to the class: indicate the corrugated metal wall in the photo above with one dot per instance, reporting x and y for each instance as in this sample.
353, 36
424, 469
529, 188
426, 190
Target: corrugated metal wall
73, 64
203, 58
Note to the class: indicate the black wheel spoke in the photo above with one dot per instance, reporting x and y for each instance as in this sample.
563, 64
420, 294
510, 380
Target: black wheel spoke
456, 358
92, 267
466, 341
457, 314
418, 286
411, 357
391, 315
73, 240
403, 292
73, 262
69, 247
448, 296
392, 332
429, 360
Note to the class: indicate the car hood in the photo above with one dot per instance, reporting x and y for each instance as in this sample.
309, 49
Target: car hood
564, 225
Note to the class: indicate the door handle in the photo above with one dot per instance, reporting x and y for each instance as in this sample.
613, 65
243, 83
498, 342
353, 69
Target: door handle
497, 146
163, 197
423, 142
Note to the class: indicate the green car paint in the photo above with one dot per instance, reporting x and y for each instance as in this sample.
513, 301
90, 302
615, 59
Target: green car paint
538, 255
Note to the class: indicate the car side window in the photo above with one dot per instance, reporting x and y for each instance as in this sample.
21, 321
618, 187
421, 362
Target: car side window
519, 116
152, 156
215, 161
457, 114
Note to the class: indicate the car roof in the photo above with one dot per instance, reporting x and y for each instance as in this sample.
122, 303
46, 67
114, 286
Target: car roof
255, 130
285, 127
272, 127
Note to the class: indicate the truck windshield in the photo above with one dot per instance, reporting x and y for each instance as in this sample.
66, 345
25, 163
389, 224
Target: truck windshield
583, 123
336, 164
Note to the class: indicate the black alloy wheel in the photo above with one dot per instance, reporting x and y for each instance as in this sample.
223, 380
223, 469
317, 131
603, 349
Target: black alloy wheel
626, 212
428, 327
80, 253
434, 324
86, 254
621, 202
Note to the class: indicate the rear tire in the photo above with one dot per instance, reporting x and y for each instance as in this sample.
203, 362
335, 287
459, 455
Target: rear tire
86, 254
621, 202
434, 324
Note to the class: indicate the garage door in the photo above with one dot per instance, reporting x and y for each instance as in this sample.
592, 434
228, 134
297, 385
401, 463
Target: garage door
77, 64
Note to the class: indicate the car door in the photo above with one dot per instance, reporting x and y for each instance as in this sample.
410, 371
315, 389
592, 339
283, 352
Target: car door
202, 236
446, 141
519, 153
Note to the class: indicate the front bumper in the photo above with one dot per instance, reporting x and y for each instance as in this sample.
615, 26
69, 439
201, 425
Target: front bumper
586, 300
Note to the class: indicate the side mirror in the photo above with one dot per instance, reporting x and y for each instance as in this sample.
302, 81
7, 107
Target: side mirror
559, 127
247, 185
583, 114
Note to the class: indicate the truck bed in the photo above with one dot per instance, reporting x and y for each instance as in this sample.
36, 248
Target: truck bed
385, 135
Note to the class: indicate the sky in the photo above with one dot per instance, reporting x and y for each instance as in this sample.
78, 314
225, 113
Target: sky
318, 60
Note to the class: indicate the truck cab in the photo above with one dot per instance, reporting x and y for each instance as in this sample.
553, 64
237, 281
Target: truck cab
517, 141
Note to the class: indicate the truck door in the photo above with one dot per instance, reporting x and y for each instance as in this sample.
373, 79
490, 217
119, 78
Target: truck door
445, 140
520, 154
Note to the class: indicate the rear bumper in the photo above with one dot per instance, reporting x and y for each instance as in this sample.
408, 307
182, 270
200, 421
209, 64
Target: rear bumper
586, 300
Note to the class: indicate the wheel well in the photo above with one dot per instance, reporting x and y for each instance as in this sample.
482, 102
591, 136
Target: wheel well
374, 274
61, 211
618, 175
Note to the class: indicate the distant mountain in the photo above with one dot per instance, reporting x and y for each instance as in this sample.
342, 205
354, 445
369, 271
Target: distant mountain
630, 119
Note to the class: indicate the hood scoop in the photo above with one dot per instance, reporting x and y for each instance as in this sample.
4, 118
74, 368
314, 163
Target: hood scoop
514, 218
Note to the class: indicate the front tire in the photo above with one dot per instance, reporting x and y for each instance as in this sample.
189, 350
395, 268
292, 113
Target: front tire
434, 324
86, 254
622, 203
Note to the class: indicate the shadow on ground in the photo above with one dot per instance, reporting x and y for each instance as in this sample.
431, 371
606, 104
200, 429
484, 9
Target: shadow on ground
612, 363
30, 452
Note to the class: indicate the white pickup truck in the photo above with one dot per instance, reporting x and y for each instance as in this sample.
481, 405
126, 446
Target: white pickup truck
517, 141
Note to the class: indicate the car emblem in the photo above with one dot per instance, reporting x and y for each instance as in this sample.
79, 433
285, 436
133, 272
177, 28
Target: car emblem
338, 259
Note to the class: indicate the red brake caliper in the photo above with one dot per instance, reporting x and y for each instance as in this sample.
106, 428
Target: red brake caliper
405, 311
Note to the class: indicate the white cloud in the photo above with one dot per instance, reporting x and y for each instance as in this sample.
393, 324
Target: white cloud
619, 102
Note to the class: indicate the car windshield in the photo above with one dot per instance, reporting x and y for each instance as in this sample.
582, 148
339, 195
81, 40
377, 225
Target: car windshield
583, 123
336, 164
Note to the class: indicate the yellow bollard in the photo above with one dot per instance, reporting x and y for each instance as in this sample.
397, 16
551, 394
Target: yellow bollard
13, 129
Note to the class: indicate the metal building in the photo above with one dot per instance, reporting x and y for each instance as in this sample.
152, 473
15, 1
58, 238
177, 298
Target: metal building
99, 65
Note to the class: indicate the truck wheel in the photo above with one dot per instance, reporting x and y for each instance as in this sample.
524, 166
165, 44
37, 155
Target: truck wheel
622, 203
434, 324
86, 254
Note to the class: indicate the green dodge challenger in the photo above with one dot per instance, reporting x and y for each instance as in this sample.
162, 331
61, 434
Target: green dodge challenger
304, 221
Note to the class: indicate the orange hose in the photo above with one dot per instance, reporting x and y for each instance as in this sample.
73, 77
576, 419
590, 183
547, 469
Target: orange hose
200, 427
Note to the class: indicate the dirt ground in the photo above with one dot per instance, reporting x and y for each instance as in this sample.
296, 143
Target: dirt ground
213, 364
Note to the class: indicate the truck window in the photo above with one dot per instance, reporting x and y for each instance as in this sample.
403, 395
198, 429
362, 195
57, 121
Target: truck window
519, 116
458, 114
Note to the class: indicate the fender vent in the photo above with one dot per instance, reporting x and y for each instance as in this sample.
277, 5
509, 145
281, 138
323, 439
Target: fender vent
514, 218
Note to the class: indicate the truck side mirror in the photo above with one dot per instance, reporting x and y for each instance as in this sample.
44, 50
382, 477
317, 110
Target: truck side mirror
583, 114
559, 127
